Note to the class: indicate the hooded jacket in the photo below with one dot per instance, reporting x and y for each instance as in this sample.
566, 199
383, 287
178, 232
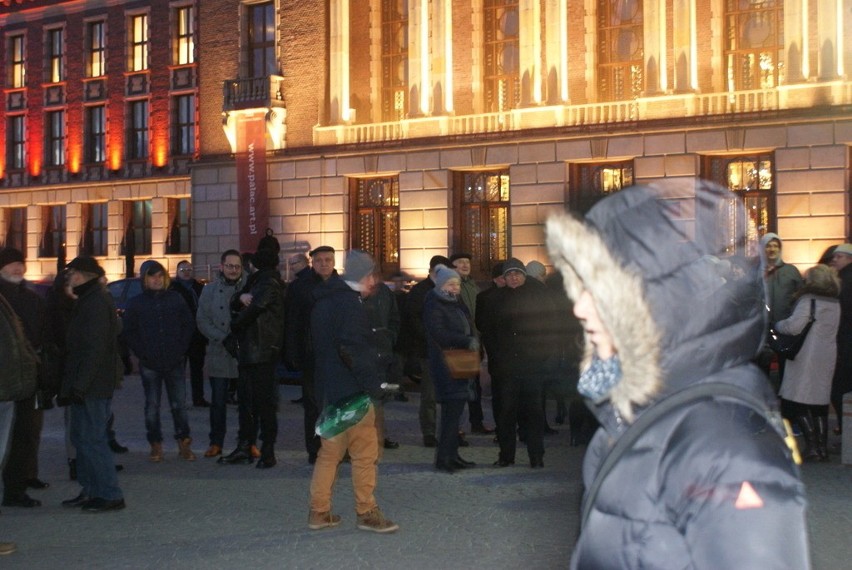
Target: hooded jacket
711, 484
158, 328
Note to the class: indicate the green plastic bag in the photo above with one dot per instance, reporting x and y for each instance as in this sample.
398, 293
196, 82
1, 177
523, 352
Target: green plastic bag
342, 415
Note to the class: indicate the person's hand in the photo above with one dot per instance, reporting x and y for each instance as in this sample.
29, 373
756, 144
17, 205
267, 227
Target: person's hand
245, 299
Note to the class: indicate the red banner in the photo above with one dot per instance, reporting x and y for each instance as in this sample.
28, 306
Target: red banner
252, 204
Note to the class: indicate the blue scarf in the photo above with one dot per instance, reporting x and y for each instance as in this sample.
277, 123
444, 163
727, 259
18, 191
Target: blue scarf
600, 377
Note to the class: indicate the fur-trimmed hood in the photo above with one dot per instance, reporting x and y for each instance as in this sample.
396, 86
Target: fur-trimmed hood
649, 257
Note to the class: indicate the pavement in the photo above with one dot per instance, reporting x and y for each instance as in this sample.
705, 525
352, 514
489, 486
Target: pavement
202, 515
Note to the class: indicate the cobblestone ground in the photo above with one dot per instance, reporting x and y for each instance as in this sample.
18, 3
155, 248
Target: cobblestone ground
203, 515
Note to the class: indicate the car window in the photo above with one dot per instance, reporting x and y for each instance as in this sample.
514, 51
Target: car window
116, 288
134, 289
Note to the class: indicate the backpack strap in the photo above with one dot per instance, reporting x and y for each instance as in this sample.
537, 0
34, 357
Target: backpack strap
679, 399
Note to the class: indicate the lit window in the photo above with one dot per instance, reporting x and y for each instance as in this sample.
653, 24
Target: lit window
592, 182
53, 235
137, 131
54, 48
96, 49
183, 125
138, 43
17, 75
261, 40
54, 148
502, 50
180, 228
375, 219
96, 228
753, 43
750, 180
184, 35
394, 59
482, 218
137, 228
620, 50
16, 142
95, 139
16, 229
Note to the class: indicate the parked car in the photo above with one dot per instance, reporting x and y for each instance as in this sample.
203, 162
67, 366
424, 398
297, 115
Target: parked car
123, 290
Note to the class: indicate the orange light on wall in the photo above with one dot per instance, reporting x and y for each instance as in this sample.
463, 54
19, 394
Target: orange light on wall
114, 158
74, 159
159, 154
35, 167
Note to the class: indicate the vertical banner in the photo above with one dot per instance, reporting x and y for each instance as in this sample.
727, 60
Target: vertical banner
252, 203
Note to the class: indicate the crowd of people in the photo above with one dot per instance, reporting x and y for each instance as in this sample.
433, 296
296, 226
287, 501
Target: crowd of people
656, 329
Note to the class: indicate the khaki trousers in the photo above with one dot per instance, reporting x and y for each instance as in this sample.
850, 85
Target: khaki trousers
362, 442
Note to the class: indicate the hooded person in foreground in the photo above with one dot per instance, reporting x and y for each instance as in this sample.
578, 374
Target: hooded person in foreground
711, 483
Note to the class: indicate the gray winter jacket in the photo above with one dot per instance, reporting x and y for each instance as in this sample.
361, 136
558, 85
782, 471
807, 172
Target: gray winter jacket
214, 322
711, 484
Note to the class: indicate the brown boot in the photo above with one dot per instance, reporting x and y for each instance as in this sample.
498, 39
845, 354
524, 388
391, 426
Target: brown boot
375, 521
156, 452
184, 452
318, 520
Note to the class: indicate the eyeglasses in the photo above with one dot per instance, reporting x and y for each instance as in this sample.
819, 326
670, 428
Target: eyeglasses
232, 266
185, 269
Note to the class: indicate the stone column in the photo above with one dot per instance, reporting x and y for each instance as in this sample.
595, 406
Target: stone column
418, 58
339, 62
795, 41
830, 39
685, 47
442, 57
529, 32
556, 52
654, 42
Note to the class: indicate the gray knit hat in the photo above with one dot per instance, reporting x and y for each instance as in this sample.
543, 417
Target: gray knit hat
444, 274
358, 265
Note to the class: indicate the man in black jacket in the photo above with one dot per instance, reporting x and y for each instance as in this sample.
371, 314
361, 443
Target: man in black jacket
21, 469
841, 260
190, 289
92, 370
258, 323
298, 352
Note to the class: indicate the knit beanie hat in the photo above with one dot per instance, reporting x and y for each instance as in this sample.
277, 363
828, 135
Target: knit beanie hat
265, 259
536, 269
514, 264
444, 274
358, 265
86, 264
151, 267
10, 255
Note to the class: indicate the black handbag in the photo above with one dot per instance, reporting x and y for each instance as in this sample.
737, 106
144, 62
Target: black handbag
789, 345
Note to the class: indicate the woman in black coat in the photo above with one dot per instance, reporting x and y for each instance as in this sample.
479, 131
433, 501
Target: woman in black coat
447, 324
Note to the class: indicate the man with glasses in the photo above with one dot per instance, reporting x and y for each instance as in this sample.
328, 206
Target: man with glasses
190, 289
214, 321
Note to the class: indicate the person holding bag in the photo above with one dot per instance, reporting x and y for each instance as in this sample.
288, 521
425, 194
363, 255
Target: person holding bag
806, 387
448, 326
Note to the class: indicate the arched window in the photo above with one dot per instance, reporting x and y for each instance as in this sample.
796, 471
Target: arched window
394, 59
502, 50
620, 50
753, 43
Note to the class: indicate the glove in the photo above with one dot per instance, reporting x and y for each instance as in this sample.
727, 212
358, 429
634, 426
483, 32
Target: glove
232, 345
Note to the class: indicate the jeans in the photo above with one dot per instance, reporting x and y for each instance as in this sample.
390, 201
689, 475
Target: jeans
152, 381
95, 464
218, 413
362, 442
7, 416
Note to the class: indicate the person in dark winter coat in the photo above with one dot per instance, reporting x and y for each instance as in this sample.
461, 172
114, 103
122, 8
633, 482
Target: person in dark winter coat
484, 320
21, 470
93, 368
258, 324
346, 363
415, 335
524, 321
447, 322
190, 289
158, 328
298, 352
712, 483
841, 261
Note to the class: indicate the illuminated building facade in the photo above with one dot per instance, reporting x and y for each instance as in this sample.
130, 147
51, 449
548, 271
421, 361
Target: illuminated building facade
416, 127
99, 128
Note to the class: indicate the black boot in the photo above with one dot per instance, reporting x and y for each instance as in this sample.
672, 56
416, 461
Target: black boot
821, 433
267, 457
806, 424
72, 469
240, 456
